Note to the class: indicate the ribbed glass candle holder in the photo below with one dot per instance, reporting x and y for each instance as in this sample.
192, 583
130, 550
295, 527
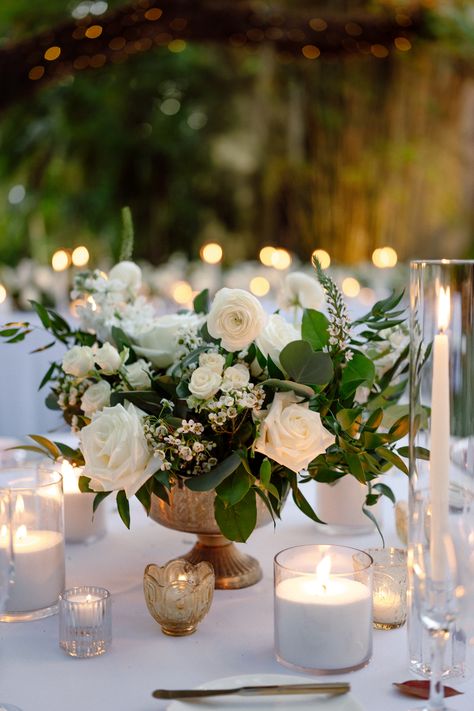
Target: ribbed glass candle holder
85, 621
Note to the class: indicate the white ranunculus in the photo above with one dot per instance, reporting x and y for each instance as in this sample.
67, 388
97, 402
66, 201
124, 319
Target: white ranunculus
236, 377
79, 361
108, 358
300, 289
292, 434
138, 375
160, 344
214, 361
127, 276
96, 397
236, 317
204, 382
115, 450
275, 336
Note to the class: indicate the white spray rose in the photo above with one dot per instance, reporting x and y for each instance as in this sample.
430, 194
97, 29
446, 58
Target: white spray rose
214, 361
292, 434
108, 358
160, 345
78, 361
126, 276
236, 317
236, 377
115, 450
300, 289
138, 375
96, 397
204, 382
275, 336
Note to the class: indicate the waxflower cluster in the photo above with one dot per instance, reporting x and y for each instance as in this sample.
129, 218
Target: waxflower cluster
183, 449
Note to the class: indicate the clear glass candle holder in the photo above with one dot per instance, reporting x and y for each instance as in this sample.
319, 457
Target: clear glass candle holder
32, 536
85, 621
389, 587
441, 435
178, 595
323, 608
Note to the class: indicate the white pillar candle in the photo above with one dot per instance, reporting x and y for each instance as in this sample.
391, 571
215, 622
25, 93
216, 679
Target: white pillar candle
323, 625
38, 569
80, 523
440, 439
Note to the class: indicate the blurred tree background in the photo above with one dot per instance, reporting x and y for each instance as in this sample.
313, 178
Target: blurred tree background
247, 145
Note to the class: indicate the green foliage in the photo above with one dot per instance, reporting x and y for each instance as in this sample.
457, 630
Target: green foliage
314, 329
128, 236
209, 481
239, 520
305, 366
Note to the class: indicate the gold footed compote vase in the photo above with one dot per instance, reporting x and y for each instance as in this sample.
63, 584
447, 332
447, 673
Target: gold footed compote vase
193, 512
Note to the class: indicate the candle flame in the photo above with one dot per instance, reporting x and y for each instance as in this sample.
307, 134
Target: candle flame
19, 505
88, 598
21, 532
323, 570
444, 308
182, 576
70, 477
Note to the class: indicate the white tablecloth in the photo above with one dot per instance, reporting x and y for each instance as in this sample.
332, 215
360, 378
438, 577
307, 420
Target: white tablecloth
235, 638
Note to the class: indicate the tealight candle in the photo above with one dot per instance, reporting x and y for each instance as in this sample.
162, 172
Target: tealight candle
389, 586
81, 525
85, 621
323, 615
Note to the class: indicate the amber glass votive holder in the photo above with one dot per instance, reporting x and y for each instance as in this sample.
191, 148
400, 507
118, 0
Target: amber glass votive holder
178, 595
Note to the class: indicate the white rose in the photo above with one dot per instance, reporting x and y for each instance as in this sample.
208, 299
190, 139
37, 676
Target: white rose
292, 434
138, 375
212, 360
204, 383
115, 450
236, 377
300, 289
127, 275
96, 397
160, 345
275, 336
236, 317
108, 358
78, 361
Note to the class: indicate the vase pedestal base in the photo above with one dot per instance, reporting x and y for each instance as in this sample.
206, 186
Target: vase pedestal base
233, 569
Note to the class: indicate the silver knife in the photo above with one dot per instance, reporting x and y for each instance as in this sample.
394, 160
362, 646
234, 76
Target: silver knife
334, 689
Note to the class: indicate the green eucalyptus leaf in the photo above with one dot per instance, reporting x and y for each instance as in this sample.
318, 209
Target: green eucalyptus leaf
359, 371
123, 506
98, 498
51, 447
356, 467
238, 521
419, 452
393, 458
304, 391
314, 329
305, 366
235, 487
385, 491
212, 479
201, 302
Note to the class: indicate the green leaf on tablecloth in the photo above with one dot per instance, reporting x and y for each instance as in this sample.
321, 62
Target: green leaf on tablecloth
208, 481
237, 522
123, 506
314, 329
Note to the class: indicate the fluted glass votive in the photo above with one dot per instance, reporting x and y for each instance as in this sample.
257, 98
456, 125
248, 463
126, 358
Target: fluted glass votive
85, 621
178, 595
389, 587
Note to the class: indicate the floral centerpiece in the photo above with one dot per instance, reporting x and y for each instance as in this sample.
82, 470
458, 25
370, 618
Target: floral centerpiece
223, 397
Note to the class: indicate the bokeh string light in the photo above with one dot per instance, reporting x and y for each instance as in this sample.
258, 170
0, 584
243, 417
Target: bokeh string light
89, 42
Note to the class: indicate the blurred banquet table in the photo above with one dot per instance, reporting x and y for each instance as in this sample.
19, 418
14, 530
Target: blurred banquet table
235, 638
